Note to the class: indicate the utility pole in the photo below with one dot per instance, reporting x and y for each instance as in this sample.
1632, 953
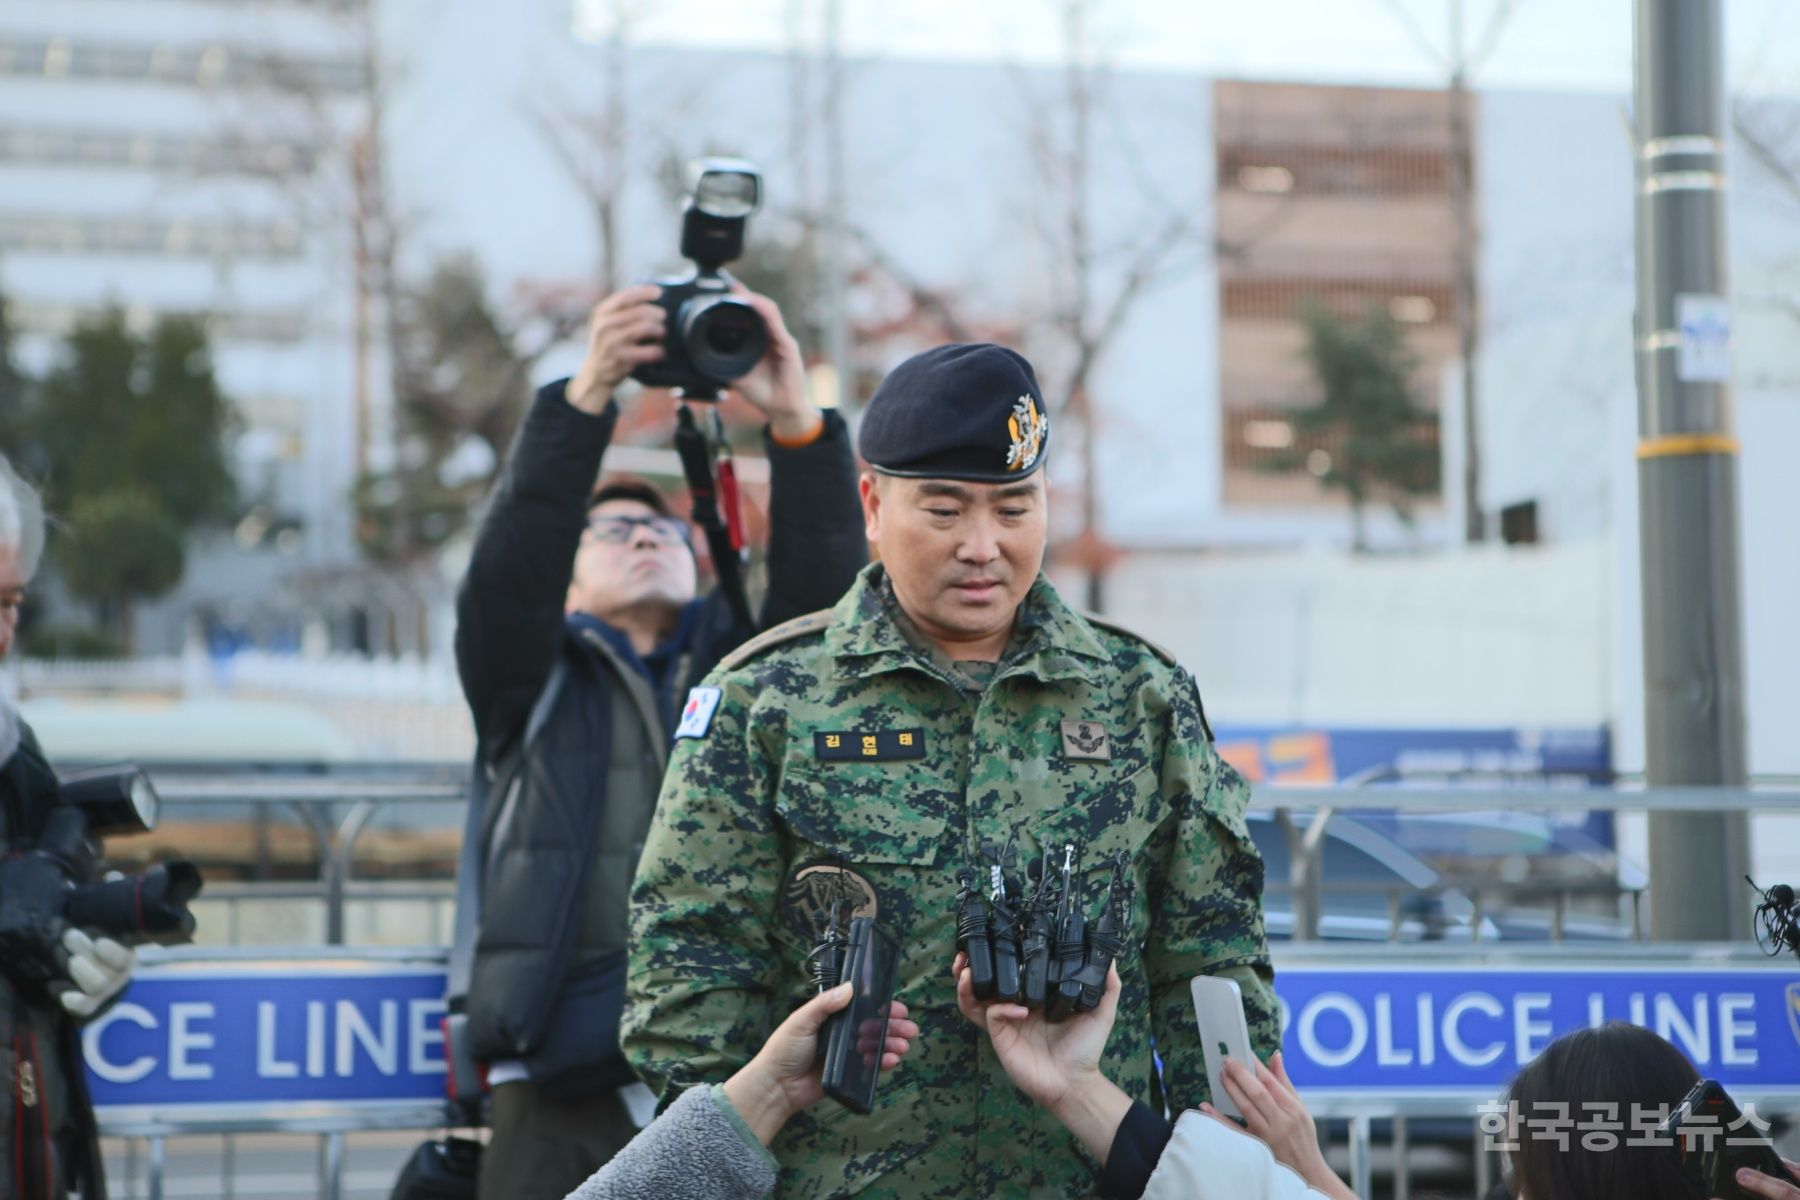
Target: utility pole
1687, 473
837, 329
1468, 319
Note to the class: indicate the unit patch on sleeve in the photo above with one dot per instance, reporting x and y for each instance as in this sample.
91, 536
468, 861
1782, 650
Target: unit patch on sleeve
697, 713
855, 745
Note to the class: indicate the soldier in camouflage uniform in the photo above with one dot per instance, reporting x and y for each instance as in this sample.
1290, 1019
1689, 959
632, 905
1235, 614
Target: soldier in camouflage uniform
950, 705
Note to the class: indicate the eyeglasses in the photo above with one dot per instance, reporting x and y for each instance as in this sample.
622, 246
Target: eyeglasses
619, 531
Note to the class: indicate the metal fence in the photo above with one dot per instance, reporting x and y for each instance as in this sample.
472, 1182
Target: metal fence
337, 803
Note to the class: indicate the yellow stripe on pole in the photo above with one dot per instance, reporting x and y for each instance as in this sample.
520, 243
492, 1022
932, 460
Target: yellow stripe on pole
1674, 445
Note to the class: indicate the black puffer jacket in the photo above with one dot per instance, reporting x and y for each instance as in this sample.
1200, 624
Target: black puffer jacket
543, 795
48, 1142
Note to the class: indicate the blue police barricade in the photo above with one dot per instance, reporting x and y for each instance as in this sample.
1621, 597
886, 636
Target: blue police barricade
274, 1033
1439, 1031
329, 1040
294, 1039
1414, 1029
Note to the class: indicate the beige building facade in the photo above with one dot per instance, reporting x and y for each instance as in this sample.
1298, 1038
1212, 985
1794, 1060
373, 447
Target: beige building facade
1340, 195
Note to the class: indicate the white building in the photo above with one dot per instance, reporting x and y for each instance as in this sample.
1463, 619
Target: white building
173, 157
941, 174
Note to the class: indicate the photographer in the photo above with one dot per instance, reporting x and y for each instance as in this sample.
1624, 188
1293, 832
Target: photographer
46, 1121
579, 636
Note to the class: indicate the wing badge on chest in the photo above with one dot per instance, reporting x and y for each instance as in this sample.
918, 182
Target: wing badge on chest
1086, 740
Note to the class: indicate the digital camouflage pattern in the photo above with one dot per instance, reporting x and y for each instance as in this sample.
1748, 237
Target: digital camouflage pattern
729, 886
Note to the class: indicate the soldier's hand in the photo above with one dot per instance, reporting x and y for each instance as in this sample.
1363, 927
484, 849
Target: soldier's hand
625, 331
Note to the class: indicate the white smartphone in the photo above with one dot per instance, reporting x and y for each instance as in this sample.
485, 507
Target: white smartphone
1219, 1011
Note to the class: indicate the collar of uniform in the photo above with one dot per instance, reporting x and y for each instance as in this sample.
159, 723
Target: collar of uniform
1050, 640
1053, 640
861, 636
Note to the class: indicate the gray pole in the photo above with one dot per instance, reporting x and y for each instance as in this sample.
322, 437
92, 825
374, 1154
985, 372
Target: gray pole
837, 331
1687, 474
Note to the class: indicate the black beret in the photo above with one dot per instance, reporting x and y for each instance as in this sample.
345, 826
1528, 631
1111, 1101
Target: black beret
963, 411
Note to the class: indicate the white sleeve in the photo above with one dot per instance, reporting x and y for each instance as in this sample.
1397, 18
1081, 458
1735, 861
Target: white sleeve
1206, 1161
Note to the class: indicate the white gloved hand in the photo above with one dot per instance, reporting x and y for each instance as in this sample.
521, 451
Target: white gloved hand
98, 967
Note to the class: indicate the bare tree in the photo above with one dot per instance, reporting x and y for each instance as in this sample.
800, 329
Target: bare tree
1459, 61
1096, 280
1772, 139
604, 142
440, 368
593, 147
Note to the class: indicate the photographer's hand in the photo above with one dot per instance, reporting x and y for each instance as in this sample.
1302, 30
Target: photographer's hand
777, 384
625, 330
783, 1078
98, 967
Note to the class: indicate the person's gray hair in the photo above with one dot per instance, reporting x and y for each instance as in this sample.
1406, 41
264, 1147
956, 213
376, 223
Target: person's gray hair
21, 519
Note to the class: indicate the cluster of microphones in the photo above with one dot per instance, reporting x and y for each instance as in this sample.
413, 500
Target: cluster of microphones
1041, 950
1777, 919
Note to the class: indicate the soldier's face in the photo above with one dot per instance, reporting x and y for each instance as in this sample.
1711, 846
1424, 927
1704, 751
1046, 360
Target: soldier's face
625, 562
961, 556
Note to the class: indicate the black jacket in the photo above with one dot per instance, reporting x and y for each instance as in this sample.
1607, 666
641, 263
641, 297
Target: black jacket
48, 1141
543, 794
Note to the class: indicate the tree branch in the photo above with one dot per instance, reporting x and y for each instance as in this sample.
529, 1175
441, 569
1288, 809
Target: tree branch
1490, 36
1398, 10
1766, 155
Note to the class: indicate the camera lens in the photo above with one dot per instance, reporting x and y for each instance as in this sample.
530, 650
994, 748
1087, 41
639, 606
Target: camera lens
723, 335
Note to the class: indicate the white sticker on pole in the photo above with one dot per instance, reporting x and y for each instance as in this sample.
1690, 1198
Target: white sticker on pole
1703, 350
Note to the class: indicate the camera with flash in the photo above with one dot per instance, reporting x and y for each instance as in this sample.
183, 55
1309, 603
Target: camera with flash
712, 337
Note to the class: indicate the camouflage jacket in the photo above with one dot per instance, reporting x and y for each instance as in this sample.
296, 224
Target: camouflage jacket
1084, 734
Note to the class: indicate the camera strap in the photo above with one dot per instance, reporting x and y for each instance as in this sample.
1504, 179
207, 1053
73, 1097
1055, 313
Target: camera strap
709, 487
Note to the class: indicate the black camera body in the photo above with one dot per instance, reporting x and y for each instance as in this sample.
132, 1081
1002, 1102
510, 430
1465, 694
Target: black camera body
711, 338
53, 886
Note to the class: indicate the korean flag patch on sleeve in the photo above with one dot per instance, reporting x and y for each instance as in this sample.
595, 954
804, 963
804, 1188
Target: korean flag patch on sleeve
697, 713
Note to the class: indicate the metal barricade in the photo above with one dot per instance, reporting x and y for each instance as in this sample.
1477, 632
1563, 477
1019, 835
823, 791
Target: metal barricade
338, 803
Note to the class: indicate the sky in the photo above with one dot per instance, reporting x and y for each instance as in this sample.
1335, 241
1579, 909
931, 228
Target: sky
1582, 45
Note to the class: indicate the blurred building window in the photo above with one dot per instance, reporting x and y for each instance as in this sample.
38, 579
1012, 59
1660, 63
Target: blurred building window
1519, 523
277, 326
1334, 170
163, 152
1259, 437
111, 235
204, 66
1279, 297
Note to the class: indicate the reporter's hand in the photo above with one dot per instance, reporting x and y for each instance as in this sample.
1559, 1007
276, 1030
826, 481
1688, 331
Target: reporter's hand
1756, 1183
98, 968
625, 330
776, 386
974, 1011
1058, 1065
1047, 1061
1274, 1112
783, 1078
